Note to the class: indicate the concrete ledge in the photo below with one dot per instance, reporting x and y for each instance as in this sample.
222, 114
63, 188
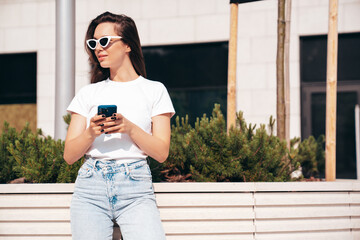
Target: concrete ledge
337, 186
198, 211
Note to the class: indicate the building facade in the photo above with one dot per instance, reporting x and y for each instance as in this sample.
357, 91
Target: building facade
28, 26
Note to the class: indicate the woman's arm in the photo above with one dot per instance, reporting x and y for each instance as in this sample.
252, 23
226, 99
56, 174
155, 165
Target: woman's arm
155, 145
79, 138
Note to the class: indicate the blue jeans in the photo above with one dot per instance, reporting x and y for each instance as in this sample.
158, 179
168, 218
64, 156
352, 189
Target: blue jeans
107, 191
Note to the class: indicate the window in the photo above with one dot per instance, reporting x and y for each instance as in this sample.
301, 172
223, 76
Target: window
194, 74
313, 58
18, 78
18, 90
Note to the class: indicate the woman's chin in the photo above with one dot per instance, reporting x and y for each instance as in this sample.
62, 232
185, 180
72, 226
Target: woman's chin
104, 65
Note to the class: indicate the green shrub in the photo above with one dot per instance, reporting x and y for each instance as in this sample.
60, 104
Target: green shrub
7, 161
203, 152
310, 153
34, 156
37, 157
206, 152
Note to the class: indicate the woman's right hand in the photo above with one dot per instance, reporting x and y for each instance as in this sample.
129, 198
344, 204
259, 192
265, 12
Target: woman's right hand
79, 137
96, 123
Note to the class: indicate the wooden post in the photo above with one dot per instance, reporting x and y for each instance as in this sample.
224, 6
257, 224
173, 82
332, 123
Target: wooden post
231, 90
287, 70
280, 85
331, 91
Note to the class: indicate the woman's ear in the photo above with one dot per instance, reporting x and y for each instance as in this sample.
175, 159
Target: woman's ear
128, 48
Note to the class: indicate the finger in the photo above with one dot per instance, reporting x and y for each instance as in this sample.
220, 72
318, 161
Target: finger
113, 129
111, 132
118, 116
110, 119
110, 123
97, 131
101, 123
98, 125
113, 117
97, 118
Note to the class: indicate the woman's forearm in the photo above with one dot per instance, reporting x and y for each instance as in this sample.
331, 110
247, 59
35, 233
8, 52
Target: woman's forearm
76, 148
153, 146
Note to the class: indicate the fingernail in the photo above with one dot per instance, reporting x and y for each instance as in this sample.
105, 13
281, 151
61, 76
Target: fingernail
113, 118
101, 125
103, 115
114, 114
107, 133
102, 130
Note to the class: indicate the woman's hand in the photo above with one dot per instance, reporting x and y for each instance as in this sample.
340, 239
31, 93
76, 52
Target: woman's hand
156, 145
117, 123
79, 137
96, 125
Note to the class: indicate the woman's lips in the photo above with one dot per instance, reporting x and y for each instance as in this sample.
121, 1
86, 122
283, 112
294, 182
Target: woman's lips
101, 57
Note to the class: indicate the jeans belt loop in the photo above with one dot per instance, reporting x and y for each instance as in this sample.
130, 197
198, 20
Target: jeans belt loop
127, 170
95, 161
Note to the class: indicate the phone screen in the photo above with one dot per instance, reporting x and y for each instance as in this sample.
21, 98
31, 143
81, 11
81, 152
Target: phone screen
107, 110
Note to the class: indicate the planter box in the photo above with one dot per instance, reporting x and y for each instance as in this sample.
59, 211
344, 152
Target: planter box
199, 211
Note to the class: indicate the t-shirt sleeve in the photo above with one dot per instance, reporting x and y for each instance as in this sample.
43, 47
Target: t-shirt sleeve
162, 103
79, 104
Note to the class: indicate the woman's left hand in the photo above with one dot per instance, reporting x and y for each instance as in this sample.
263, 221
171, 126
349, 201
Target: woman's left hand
156, 145
117, 123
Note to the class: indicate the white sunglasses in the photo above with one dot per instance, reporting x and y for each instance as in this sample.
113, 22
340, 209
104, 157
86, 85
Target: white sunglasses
104, 41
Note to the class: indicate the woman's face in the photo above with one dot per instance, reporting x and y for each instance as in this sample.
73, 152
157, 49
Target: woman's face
113, 55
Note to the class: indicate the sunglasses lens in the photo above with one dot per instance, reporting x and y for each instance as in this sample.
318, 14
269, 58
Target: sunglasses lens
92, 44
104, 41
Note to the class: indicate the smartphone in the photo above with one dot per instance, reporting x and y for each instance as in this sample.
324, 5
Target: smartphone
107, 110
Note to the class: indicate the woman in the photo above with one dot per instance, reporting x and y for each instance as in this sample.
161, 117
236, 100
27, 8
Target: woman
115, 184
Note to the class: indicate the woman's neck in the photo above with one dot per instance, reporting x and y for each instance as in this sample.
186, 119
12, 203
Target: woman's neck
123, 75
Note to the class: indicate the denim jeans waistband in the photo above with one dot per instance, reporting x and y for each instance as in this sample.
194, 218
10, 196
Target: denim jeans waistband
114, 165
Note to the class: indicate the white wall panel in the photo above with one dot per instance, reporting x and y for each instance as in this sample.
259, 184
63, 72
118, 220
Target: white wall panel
35, 200
46, 87
205, 199
183, 21
28, 14
263, 50
9, 15
172, 31
35, 214
21, 39
318, 235
211, 237
351, 17
291, 212
35, 228
302, 225
156, 9
35, 238
198, 7
208, 227
210, 28
206, 213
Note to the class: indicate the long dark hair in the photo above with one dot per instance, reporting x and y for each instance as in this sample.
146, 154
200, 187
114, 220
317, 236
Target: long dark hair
124, 27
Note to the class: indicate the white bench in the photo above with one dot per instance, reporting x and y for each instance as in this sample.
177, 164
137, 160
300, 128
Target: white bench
199, 211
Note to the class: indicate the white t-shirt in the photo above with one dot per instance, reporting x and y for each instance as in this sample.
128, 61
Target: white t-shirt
138, 101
